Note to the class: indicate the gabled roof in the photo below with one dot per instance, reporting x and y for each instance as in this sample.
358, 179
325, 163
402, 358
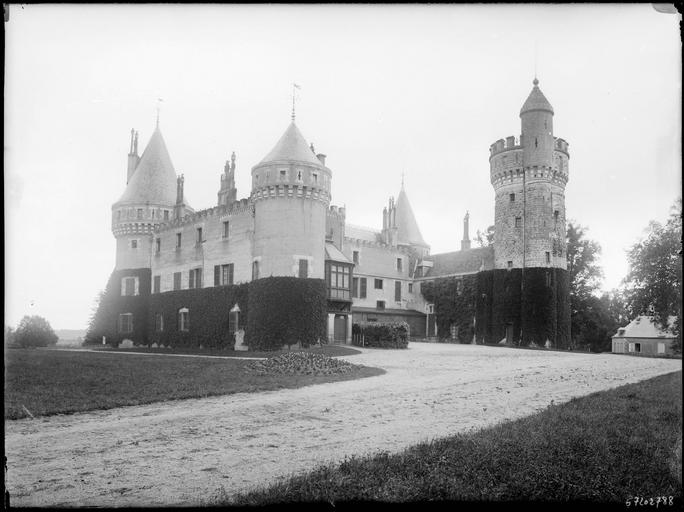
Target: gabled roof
644, 327
154, 179
461, 262
332, 253
407, 227
536, 100
291, 147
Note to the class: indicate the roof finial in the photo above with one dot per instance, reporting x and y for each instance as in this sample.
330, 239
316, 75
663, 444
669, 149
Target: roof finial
294, 86
535, 81
159, 100
402, 180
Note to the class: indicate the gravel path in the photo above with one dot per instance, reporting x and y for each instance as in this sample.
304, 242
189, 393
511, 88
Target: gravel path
185, 452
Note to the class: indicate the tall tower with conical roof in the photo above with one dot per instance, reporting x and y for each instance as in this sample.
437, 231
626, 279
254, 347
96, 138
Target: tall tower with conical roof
529, 174
147, 201
290, 194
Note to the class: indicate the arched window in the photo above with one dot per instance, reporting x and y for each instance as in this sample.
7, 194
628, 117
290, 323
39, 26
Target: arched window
184, 319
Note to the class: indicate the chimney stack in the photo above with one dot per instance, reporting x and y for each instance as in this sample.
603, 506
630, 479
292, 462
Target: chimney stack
465, 243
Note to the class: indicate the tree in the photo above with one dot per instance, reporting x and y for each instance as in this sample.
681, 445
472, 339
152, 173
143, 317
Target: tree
653, 285
486, 238
590, 319
34, 331
9, 336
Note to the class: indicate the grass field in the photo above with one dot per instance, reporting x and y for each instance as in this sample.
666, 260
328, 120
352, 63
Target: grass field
57, 381
609, 447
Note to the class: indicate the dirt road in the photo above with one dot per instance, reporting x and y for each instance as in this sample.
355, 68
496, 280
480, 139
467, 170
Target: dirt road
185, 452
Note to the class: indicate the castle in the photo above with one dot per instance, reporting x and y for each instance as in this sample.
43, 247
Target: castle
513, 289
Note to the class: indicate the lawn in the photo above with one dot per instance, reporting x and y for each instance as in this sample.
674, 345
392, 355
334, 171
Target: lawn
607, 447
46, 382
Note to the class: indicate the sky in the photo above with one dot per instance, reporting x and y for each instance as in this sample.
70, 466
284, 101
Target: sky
385, 91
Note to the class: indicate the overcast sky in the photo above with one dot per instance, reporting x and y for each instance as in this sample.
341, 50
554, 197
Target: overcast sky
385, 90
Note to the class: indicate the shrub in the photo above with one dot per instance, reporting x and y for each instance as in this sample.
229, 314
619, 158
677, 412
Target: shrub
286, 311
34, 331
380, 334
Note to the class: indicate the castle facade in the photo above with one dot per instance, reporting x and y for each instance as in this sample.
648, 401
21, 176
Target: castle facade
288, 227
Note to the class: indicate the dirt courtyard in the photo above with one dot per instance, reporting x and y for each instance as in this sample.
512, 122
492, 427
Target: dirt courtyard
185, 452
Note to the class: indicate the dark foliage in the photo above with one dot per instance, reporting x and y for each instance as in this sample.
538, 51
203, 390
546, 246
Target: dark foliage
455, 304
105, 321
285, 311
380, 334
33, 331
208, 315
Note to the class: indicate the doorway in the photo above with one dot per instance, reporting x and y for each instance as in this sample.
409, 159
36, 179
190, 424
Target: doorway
340, 329
509, 334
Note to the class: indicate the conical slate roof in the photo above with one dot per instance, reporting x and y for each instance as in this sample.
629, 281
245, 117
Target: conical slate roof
536, 100
291, 146
154, 179
407, 227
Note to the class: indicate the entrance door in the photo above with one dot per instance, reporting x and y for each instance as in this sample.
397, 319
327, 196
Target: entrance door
340, 334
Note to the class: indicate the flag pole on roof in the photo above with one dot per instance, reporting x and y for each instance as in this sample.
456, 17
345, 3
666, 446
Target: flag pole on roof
294, 86
159, 100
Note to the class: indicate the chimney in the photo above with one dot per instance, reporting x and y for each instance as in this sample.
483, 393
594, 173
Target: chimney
465, 243
133, 157
321, 157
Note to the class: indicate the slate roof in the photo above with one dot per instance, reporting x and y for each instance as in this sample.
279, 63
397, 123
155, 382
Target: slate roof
333, 253
461, 262
291, 147
643, 327
154, 179
362, 233
407, 227
536, 100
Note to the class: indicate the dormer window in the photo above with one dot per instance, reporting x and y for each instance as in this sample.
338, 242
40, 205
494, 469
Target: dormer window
283, 175
315, 178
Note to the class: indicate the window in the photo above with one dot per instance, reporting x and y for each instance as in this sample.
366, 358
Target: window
255, 270
518, 222
338, 281
118, 215
283, 175
178, 240
315, 178
510, 264
157, 247
303, 269
299, 175
195, 278
184, 319
134, 244
126, 323
399, 264
176, 280
512, 197
157, 284
397, 291
355, 257
355, 287
637, 347
140, 213
548, 278
199, 236
380, 304
166, 214
226, 228
129, 286
548, 257
459, 287
410, 287
378, 284
556, 213
158, 322
661, 348
362, 288
223, 274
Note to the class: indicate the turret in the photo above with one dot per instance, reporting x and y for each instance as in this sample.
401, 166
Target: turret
147, 201
179, 208
536, 117
227, 194
291, 195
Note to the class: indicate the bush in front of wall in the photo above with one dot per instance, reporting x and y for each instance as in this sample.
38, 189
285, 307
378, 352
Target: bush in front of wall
380, 334
286, 311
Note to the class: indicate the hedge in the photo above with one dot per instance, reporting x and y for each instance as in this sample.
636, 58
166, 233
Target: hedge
380, 334
286, 311
208, 316
105, 321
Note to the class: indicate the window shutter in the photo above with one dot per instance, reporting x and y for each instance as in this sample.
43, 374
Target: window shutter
217, 275
191, 283
230, 273
363, 287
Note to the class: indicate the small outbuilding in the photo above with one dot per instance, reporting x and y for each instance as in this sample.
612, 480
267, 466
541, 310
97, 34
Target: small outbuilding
643, 337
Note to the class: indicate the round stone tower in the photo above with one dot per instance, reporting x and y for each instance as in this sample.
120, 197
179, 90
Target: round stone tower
148, 201
290, 193
529, 175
